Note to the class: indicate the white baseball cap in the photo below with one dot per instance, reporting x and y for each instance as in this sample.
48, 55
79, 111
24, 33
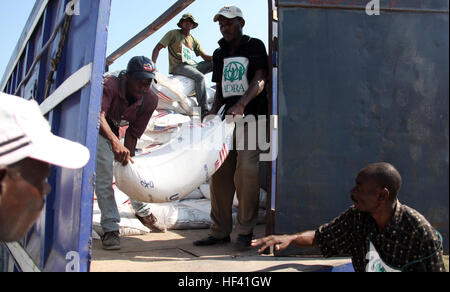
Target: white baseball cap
229, 12
24, 132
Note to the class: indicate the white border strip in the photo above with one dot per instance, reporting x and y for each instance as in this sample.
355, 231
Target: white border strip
71, 85
22, 258
25, 42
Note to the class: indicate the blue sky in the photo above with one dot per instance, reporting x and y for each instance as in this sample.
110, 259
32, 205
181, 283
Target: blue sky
130, 17
13, 16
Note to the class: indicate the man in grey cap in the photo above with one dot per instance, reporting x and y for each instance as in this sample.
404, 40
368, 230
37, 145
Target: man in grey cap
183, 47
127, 101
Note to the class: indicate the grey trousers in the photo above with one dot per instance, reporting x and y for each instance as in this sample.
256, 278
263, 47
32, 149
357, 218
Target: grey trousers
196, 72
110, 217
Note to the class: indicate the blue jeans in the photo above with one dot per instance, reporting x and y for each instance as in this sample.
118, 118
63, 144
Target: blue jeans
110, 217
196, 72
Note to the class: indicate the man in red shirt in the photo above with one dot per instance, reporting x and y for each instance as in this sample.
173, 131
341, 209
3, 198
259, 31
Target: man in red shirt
127, 101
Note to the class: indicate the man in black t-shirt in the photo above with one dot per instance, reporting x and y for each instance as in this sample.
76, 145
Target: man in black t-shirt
240, 72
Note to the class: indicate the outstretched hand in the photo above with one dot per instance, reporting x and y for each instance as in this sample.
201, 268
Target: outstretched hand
279, 241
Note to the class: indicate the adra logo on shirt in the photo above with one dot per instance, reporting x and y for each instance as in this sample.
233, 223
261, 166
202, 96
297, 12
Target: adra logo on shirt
234, 71
235, 81
186, 54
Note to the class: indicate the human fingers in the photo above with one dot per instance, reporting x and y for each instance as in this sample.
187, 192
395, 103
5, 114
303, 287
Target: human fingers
264, 242
127, 158
123, 157
257, 242
118, 157
282, 245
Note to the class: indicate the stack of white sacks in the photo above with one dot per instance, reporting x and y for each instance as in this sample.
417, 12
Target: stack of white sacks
191, 212
176, 106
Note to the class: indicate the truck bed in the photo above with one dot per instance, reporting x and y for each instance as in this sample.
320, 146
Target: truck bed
173, 251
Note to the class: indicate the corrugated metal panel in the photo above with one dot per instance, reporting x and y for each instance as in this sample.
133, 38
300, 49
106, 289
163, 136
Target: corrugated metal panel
356, 89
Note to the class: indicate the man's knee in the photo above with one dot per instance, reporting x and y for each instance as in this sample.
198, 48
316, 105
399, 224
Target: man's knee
199, 77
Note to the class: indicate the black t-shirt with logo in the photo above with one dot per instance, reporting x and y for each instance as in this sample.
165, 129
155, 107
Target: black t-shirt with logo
236, 71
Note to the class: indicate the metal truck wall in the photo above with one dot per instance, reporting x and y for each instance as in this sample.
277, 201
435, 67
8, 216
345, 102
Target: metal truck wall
61, 240
356, 89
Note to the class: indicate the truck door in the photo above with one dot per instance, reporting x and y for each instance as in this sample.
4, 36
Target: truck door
59, 61
358, 83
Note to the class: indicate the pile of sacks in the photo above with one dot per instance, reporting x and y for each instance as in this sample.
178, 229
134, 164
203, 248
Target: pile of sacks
192, 212
176, 106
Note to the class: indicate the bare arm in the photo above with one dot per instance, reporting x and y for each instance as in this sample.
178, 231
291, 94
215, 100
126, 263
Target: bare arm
155, 53
130, 143
121, 153
304, 239
255, 88
206, 57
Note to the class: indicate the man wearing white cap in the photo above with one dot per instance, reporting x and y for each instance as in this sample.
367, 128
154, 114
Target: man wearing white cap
240, 72
27, 149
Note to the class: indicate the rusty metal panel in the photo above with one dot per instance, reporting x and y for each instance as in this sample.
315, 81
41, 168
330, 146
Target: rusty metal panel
356, 89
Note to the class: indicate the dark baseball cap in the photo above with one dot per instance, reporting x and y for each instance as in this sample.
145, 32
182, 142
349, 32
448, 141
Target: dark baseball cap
141, 68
